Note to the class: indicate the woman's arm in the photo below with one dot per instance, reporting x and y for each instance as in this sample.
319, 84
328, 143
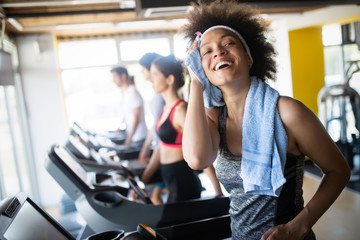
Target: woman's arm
153, 165
200, 137
313, 141
179, 121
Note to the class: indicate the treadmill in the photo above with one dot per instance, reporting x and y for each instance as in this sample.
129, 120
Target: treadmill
22, 219
100, 161
15, 212
107, 207
98, 141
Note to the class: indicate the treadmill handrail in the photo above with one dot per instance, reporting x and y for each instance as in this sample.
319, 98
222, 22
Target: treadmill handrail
83, 187
198, 207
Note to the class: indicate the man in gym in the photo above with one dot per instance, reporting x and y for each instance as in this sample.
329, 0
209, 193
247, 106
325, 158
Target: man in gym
132, 106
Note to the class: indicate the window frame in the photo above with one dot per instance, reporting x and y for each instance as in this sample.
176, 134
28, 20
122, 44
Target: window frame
119, 38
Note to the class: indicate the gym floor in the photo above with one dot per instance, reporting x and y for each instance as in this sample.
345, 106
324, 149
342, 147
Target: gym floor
341, 220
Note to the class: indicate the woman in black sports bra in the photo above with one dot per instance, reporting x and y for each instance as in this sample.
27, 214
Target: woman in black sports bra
180, 180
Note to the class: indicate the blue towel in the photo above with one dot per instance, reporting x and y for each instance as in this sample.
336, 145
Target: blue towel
212, 94
264, 141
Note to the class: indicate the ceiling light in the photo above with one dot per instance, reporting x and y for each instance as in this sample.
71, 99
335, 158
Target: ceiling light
176, 23
123, 3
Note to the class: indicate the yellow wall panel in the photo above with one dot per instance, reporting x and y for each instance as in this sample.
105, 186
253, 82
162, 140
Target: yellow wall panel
307, 65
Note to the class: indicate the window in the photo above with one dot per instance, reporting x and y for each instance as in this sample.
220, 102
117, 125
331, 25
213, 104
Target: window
13, 160
180, 45
133, 50
91, 97
15, 152
341, 54
340, 50
87, 53
7, 158
351, 54
331, 34
334, 71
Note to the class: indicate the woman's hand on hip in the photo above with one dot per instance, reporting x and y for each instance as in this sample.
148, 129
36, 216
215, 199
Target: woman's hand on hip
284, 232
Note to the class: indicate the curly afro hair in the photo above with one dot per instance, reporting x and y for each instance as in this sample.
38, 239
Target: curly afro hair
243, 19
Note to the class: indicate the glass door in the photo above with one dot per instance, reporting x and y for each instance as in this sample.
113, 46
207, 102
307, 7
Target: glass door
15, 153
11, 182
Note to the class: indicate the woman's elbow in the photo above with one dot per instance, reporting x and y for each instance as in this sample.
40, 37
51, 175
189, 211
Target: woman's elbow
343, 173
196, 163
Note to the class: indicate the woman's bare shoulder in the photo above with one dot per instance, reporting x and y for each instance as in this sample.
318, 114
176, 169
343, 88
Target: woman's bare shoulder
292, 110
182, 106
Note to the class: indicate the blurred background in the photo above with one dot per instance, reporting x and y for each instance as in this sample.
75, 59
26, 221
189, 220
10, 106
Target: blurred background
56, 56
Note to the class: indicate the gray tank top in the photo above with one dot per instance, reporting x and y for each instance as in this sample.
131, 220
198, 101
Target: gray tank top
253, 215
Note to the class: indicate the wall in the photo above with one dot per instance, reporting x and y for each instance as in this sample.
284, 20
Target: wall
307, 65
45, 110
333, 14
283, 81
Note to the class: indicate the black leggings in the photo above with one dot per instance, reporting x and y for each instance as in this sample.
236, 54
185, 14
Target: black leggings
181, 181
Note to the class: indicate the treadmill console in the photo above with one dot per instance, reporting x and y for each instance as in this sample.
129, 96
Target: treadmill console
22, 219
72, 164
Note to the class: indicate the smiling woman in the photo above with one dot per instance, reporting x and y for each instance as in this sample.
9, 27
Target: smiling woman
249, 25
225, 43
258, 138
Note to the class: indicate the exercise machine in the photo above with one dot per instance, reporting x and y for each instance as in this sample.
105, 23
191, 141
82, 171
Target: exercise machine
22, 219
339, 111
102, 160
98, 142
106, 206
15, 212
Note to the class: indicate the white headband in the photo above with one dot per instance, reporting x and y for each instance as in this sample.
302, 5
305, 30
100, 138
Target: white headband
231, 30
